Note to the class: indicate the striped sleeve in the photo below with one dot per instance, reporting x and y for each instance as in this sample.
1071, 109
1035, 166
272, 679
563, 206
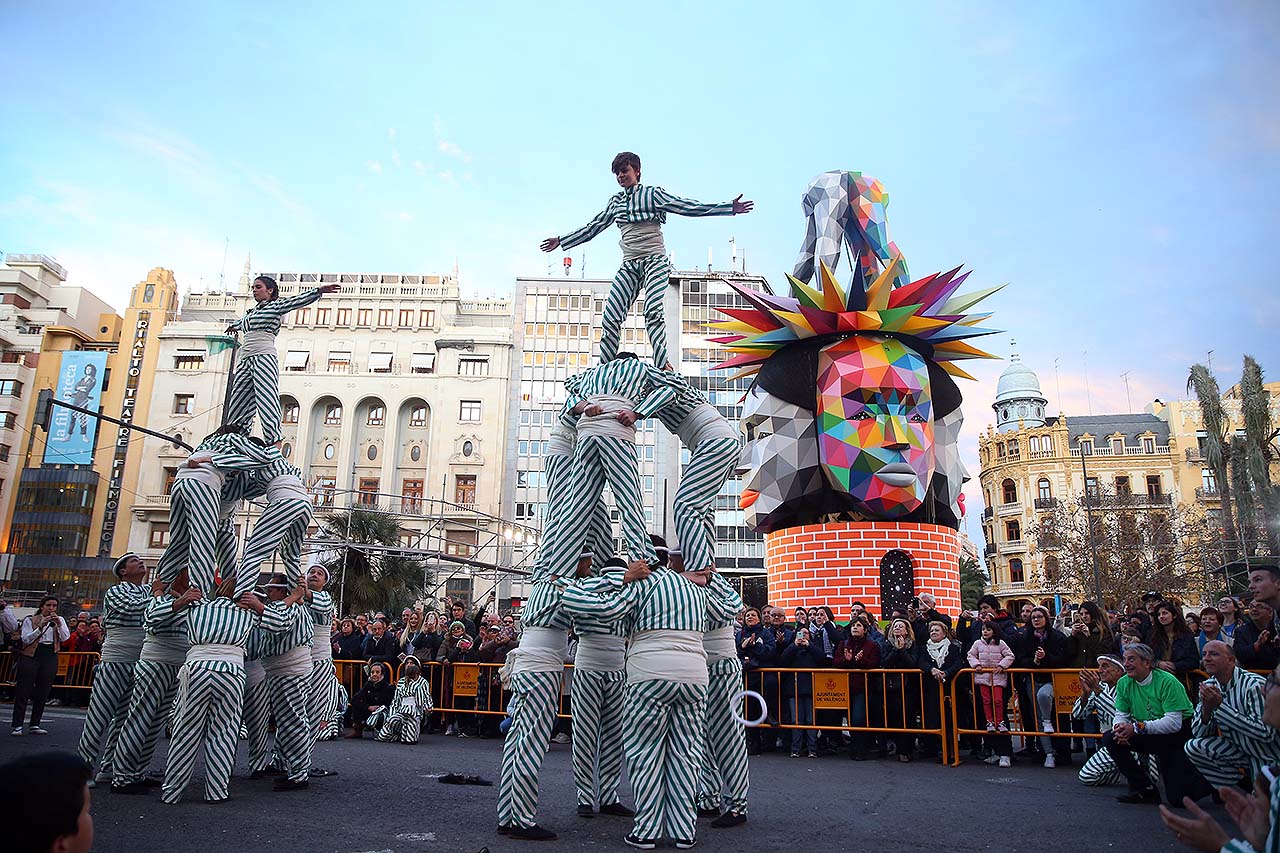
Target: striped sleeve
242, 454
124, 605
603, 599
723, 601
320, 606
668, 203
161, 617
1241, 709
592, 229
280, 307
657, 393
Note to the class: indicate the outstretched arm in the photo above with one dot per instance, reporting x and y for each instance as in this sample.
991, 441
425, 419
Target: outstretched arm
669, 203
592, 229
280, 307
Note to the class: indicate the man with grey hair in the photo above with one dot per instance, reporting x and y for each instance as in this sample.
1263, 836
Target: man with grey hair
1153, 716
1230, 743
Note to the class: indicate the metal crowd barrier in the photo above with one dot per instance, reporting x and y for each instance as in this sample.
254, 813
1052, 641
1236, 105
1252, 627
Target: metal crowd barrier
75, 669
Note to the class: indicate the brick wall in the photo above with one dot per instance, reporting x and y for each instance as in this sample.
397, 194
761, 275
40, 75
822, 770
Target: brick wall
839, 562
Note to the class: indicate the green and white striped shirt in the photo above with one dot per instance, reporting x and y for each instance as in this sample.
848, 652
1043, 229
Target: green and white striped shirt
642, 204
723, 603
124, 605
162, 621
286, 627
1240, 717
1103, 704
221, 621
643, 384
597, 595
267, 316
595, 606
419, 688
686, 398
320, 607
233, 452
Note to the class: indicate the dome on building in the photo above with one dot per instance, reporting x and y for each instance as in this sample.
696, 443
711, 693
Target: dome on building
1018, 395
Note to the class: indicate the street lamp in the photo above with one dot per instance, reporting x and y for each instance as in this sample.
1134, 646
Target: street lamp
1088, 511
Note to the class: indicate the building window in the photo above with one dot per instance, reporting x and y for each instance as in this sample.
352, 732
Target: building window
406, 317
1043, 490
1012, 531
415, 453
1051, 569
333, 414
289, 413
411, 500
467, 449
344, 317
1148, 445
1208, 482
10, 388
4, 452
364, 318
1117, 447
464, 489
1035, 444
1091, 491
426, 319
301, 316
170, 474
469, 411
159, 535
339, 362
286, 450
1013, 449
329, 451
188, 361
183, 404
1154, 488
1008, 492
1122, 487
377, 415
473, 366
1016, 574
385, 316
372, 452
8, 420
322, 316
1000, 450
418, 416
324, 489
368, 491
1086, 447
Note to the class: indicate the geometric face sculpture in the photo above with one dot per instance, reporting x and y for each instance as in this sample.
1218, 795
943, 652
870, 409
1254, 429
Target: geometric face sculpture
875, 424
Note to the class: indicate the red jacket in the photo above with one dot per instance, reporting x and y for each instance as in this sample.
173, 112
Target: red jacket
870, 659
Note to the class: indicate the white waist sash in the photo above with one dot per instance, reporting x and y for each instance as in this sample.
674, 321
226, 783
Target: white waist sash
607, 424
254, 674
561, 441
296, 661
123, 645
719, 644
540, 650
207, 473
640, 239
601, 652
257, 343
703, 423
169, 649
663, 655
286, 487
321, 646
213, 652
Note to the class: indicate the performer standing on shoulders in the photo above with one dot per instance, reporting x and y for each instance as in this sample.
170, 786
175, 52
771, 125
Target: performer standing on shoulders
257, 381
639, 212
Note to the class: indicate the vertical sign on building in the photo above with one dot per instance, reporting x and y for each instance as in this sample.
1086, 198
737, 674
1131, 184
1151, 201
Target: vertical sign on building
123, 434
71, 434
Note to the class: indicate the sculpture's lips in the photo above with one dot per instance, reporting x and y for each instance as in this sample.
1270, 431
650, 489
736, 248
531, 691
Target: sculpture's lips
749, 497
897, 474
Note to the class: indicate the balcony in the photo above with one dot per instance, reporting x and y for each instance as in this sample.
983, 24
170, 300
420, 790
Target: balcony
1013, 546
987, 513
1013, 508
1129, 450
1194, 454
1046, 503
1204, 494
1048, 543
990, 550
1128, 500
1042, 454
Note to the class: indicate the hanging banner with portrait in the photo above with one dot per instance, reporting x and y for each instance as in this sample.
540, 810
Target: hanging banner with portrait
71, 434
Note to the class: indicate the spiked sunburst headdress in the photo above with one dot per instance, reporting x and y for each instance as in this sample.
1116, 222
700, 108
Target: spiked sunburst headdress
925, 310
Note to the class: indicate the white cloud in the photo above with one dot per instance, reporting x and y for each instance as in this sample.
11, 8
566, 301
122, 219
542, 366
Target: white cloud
419, 167
405, 216
453, 150
447, 177
395, 158
391, 134
374, 166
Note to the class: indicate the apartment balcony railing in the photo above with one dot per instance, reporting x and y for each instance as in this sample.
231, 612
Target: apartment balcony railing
987, 513
990, 550
1157, 450
1205, 494
1009, 508
1046, 503
1013, 546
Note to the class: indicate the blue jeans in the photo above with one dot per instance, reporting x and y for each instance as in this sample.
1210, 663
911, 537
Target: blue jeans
802, 713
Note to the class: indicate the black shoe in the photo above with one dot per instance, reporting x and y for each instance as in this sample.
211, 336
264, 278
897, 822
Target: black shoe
617, 810
729, 819
642, 843
584, 810
681, 844
290, 785
266, 771
712, 813
1149, 797
320, 773
532, 833
130, 788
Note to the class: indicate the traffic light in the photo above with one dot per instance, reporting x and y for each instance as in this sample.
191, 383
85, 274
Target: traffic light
44, 409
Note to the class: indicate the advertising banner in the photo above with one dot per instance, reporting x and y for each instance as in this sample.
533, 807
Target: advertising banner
71, 434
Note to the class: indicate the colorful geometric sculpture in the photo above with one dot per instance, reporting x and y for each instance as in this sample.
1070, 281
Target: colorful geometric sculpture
847, 208
854, 413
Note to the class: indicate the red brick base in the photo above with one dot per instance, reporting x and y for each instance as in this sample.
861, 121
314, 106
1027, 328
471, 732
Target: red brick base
837, 563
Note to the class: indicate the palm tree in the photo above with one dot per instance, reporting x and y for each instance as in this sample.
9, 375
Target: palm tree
371, 579
1216, 452
1259, 450
973, 583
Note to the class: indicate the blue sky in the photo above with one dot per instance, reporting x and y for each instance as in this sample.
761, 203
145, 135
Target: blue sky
1117, 163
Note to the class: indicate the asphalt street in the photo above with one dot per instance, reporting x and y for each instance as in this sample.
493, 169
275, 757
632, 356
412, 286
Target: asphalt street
387, 798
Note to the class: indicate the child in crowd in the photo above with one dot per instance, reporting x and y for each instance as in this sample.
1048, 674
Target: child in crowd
990, 657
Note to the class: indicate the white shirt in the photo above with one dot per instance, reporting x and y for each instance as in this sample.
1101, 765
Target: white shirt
53, 632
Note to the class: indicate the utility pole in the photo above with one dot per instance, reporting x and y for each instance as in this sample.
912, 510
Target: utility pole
1127, 401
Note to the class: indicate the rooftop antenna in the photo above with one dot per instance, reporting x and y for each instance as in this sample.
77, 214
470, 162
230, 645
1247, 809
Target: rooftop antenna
1087, 393
1210, 360
1127, 401
708, 259
733, 254
226, 244
1057, 381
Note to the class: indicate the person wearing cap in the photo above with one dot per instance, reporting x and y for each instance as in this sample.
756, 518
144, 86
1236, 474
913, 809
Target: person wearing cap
1099, 698
1229, 742
286, 656
124, 606
197, 510
282, 526
401, 721
714, 445
598, 679
155, 682
322, 691
724, 763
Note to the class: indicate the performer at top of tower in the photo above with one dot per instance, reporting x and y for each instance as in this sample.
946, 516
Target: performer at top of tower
639, 212
256, 389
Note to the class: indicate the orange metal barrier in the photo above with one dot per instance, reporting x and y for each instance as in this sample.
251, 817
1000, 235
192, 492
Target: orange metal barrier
75, 669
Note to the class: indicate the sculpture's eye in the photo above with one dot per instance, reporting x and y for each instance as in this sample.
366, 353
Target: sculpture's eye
864, 415
917, 419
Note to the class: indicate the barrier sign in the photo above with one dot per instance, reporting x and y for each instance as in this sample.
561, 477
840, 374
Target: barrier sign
1066, 690
831, 690
466, 679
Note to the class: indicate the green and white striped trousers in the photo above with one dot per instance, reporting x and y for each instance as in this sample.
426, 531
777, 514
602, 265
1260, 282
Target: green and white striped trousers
597, 734
724, 763
322, 698
208, 723
288, 697
599, 538
695, 501
652, 274
663, 733
256, 391
257, 713
1101, 770
108, 706
535, 700
282, 525
193, 534
154, 686
1222, 761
